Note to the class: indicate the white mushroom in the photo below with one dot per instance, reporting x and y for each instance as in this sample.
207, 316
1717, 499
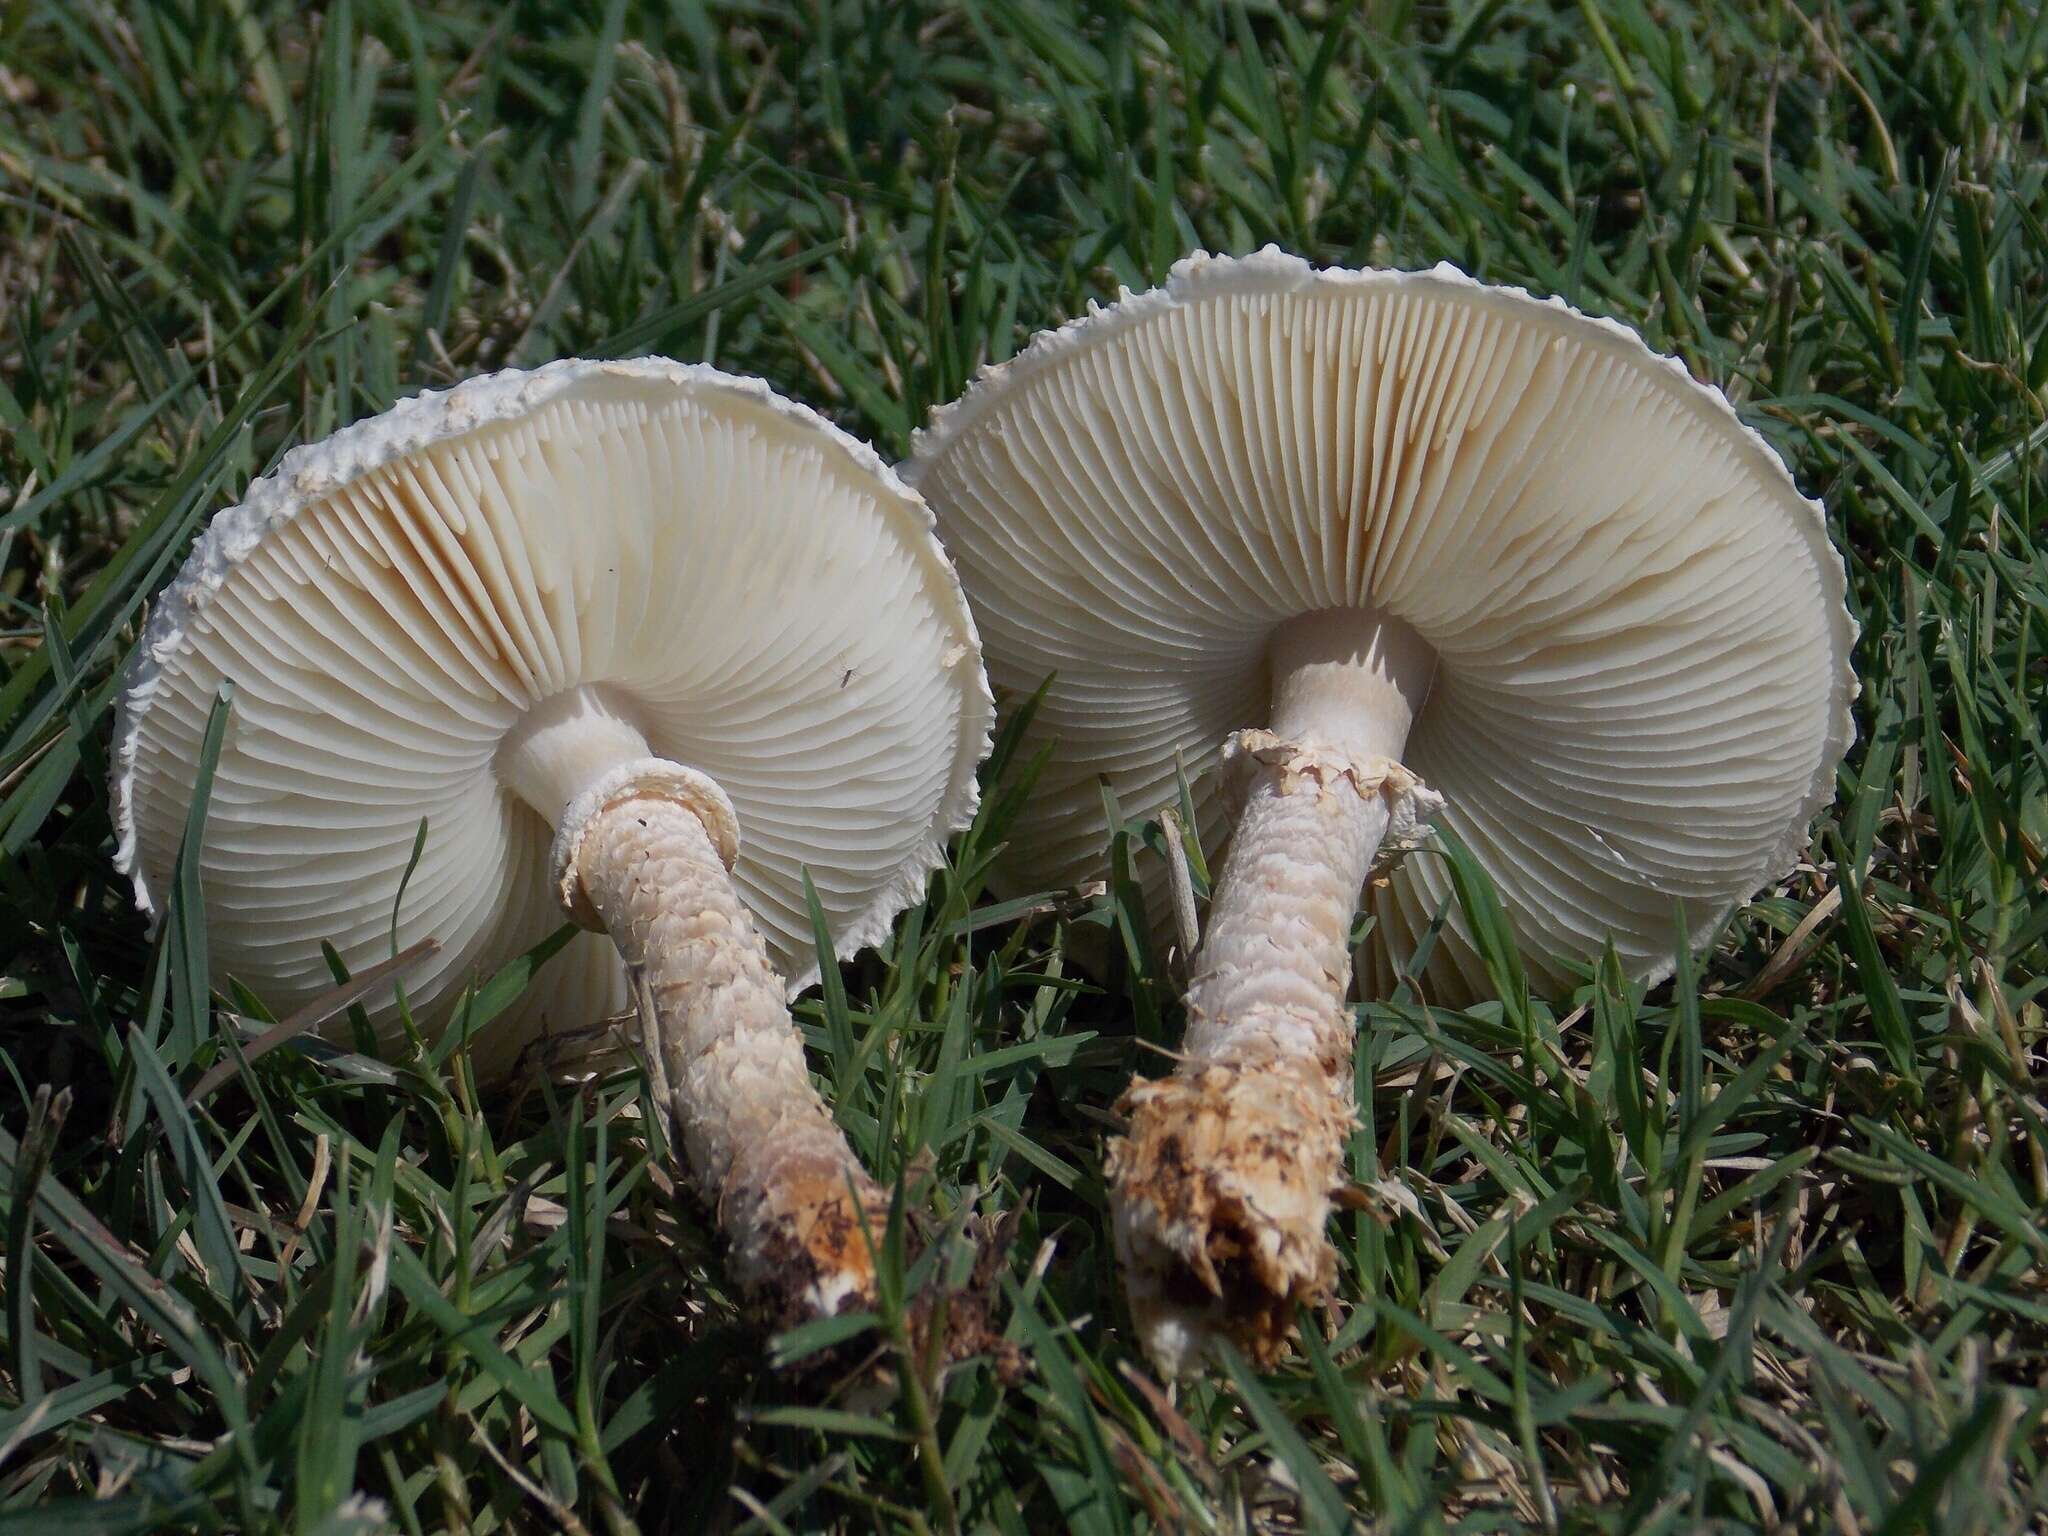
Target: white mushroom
638, 640
1345, 535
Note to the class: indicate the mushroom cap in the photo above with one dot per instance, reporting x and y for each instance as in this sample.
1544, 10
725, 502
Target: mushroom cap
1643, 679
751, 587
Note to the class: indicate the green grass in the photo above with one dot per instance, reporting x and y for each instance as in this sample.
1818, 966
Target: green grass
1761, 1248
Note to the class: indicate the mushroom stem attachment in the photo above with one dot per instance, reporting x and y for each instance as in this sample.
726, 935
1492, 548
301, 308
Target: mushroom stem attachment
645, 853
564, 743
1221, 1189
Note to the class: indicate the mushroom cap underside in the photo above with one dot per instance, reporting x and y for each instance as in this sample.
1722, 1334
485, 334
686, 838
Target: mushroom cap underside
752, 589
1643, 678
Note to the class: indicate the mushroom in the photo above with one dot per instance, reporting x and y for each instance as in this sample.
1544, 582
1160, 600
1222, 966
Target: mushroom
639, 642
1359, 549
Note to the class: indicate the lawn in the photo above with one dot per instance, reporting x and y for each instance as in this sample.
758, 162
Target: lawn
1762, 1247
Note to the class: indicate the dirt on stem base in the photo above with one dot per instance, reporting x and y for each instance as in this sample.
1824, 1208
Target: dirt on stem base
1224, 1185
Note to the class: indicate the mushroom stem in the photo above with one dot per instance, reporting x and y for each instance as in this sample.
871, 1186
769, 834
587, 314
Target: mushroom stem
648, 849
1221, 1189
564, 743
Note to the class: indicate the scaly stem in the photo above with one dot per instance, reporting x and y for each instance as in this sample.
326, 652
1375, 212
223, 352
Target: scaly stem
1222, 1188
642, 847
762, 1146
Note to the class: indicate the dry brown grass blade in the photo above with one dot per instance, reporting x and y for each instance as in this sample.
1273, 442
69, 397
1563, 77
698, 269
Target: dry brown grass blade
313, 1015
1789, 953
